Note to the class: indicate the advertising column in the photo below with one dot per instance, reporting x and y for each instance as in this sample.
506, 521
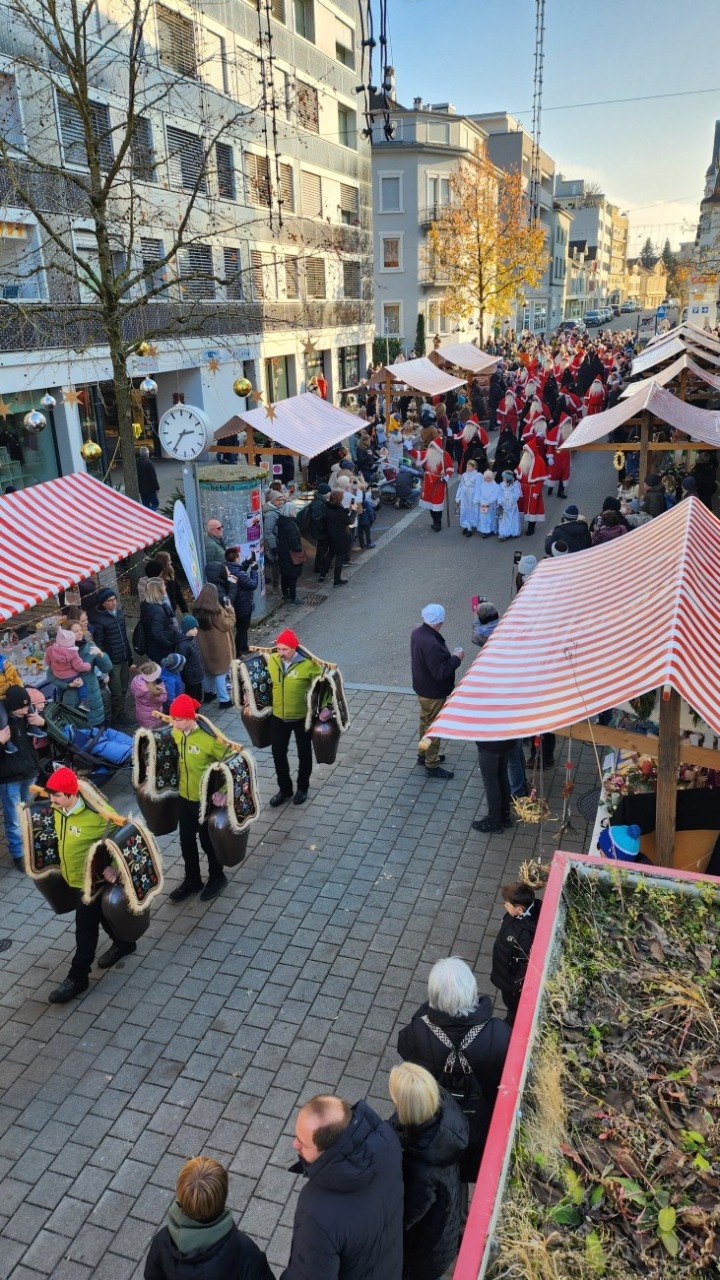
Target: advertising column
233, 495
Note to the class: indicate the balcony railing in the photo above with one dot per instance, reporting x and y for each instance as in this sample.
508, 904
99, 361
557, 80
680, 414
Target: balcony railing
429, 276
430, 214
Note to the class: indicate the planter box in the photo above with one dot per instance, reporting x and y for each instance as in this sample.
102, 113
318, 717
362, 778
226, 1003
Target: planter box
574, 879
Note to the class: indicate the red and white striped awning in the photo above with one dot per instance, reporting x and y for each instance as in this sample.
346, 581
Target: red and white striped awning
699, 424
55, 533
420, 375
673, 371
465, 355
590, 630
305, 423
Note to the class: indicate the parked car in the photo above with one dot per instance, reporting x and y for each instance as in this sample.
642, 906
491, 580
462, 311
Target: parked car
628, 307
593, 318
615, 309
573, 326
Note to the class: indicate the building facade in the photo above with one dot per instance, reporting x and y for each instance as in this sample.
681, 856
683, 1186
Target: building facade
246, 129
603, 229
704, 282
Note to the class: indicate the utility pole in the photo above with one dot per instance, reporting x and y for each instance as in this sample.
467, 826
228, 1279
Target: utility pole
535, 168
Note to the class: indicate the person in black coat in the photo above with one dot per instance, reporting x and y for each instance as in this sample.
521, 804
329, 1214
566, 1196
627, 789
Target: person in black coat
148, 483
244, 576
188, 647
572, 530
19, 764
159, 622
337, 523
288, 541
318, 528
496, 394
511, 951
433, 680
109, 631
705, 476
433, 1134
507, 453
200, 1241
455, 1008
349, 1214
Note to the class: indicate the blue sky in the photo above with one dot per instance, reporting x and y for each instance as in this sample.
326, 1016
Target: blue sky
650, 156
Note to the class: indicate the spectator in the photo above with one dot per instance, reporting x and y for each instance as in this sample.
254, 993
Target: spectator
109, 631
216, 632
705, 475
158, 620
511, 950
98, 677
453, 1011
365, 520
365, 458
161, 566
214, 550
654, 498
318, 527
274, 501
433, 680
149, 693
487, 619
19, 768
290, 552
189, 648
67, 668
610, 526
338, 518
349, 1214
573, 530
172, 668
493, 761
245, 577
433, 1134
200, 1240
148, 483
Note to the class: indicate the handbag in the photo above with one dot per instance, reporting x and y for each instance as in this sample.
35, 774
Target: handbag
297, 557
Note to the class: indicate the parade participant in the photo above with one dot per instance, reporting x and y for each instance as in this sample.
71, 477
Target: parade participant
558, 459
595, 398
533, 473
507, 453
510, 493
437, 466
433, 680
19, 767
507, 414
78, 828
292, 673
197, 749
487, 492
465, 503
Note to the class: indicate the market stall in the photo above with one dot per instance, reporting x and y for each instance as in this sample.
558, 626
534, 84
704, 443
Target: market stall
618, 622
684, 365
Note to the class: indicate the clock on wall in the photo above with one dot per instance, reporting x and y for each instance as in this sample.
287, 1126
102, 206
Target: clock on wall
185, 432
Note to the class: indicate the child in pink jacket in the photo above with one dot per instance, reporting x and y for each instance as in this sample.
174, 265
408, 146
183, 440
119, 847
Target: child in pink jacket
149, 693
66, 665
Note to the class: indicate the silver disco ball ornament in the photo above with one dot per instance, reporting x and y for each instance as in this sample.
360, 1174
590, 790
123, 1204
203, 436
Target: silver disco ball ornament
149, 387
34, 422
48, 401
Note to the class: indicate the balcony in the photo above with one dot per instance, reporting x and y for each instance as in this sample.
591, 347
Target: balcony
430, 214
428, 277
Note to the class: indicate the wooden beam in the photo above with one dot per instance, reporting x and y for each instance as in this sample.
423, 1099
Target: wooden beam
676, 446
644, 743
668, 760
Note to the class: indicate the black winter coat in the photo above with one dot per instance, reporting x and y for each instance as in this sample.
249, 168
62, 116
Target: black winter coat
511, 951
194, 670
245, 585
109, 631
507, 453
349, 1215
21, 765
575, 532
288, 539
654, 502
433, 1189
337, 522
486, 1055
161, 630
148, 483
235, 1257
433, 665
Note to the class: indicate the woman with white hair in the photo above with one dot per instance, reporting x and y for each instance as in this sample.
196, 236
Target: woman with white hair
433, 1134
456, 1019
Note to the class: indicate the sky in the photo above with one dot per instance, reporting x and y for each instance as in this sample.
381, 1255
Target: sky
648, 157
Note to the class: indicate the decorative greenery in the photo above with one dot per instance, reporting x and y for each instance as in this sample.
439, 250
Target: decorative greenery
381, 347
420, 334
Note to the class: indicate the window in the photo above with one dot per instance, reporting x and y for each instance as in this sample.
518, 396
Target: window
176, 41
277, 8
391, 319
151, 252
292, 278
347, 128
390, 194
349, 360
540, 316
344, 43
195, 266
142, 153
10, 119
438, 194
215, 70
72, 132
391, 253
186, 160
306, 106
225, 163
311, 194
263, 274
287, 190
304, 19
351, 279
438, 318
349, 205
85, 244
315, 274
257, 179
232, 267
438, 132
256, 275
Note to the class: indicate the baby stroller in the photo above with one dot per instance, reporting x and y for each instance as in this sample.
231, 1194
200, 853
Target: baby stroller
96, 754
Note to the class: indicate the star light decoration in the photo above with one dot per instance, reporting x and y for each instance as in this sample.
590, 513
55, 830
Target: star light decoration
270, 412
4, 409
309, 347
213, 364
152, 350
71, 397
257, 396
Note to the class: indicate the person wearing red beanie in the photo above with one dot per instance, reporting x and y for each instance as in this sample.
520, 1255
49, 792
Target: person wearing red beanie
197, 749
292, 674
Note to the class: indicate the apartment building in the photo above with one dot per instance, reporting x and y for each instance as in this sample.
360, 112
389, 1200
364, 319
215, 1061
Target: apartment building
603, 229
253, 116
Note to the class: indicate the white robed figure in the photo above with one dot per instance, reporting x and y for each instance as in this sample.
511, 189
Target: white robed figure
509, 494
487, 491
465, 500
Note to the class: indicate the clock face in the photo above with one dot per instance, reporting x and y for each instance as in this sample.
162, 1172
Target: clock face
184, 432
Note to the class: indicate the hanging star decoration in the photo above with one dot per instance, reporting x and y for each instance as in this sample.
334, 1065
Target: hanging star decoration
270, 412
309, 348
4, 409
71, 397
257, 396
213, 364
152, 351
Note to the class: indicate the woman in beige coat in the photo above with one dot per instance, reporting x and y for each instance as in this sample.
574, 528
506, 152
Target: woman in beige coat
216, 637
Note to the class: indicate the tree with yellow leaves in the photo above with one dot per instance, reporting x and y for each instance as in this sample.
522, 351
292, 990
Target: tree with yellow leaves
482, 244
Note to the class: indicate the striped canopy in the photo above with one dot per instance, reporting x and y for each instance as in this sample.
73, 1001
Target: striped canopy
465, 355
420, 375
691, 333
653, 356
55, 533
673, 371
592, 629
699, 424
305, 423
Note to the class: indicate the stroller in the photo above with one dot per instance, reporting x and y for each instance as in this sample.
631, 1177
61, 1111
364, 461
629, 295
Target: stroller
96, 754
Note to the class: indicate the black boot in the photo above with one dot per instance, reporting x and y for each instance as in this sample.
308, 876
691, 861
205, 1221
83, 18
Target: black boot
530, 529
68, 990
116, 952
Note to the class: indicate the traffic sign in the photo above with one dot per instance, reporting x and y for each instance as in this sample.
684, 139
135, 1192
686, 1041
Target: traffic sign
661, 313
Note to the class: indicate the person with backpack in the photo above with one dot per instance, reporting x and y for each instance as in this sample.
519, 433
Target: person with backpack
456, 1038
511, 951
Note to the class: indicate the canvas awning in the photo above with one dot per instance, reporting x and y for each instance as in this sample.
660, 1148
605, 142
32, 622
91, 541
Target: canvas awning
593, 629
420, 375
465, 355
673, 371
656, 355
305, 423
691, 333
55, 533
699, 424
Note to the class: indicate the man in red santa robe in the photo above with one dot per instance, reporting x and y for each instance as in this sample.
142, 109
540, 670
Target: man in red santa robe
558, 459
507, 414
532, 474
437, 466
595, 398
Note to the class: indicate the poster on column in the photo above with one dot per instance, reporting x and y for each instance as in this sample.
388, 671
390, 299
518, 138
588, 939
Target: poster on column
186, 548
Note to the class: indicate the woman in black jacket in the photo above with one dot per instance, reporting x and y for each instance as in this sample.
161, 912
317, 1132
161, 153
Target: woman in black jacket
158, 619
289, 542
433, 1134
337, 522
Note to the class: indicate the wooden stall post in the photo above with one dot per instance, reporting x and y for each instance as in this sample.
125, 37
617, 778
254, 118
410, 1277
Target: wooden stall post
668, 760
682, 393
644, 442
388, 394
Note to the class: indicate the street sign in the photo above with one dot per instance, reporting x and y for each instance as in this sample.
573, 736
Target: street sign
661, 313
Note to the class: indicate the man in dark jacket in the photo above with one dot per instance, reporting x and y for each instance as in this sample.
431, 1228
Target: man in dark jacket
109, 631
200, 1240
433, 679
511, 951
349, 1215
572, 530
653, 502
318, 528
18, 764
148, 483
337, 523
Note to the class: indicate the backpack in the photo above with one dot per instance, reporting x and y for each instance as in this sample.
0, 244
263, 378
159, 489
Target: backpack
139, 639
459, 1078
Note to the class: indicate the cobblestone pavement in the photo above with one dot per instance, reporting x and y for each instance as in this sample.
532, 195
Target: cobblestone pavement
295, 980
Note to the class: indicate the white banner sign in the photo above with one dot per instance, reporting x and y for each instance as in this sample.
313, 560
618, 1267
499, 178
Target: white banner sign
186, 548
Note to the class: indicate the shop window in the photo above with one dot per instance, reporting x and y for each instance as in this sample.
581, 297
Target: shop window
186, 160
349, 359
277, 379
176, 41
257, 179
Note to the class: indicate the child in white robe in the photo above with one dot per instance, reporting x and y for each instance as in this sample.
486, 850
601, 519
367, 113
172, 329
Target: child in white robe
465, 500
510, 492
487, 491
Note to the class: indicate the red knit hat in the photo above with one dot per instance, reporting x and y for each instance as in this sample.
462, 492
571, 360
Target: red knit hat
289, 638
64, 781
183, 707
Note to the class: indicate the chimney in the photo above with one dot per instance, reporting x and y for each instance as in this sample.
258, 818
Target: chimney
417, 104
389, 83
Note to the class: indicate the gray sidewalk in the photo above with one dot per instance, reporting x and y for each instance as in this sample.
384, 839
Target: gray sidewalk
294, 981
